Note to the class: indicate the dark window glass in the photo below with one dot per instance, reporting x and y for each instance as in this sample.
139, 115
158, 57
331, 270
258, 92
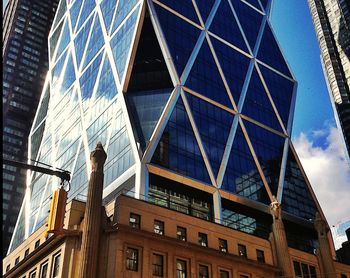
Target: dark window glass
26, 253
159, 227
181, 269
43, 270
56, 266
260, 256
224, 274
158, 265
17, 260
132, 257
242, 250
223, 245
185, 8
135, 220
305, 270
297, 269
313, 273
203, 271
8, 267
204, 8
37, 244
203, 239
342, 276
32, 274
181, 233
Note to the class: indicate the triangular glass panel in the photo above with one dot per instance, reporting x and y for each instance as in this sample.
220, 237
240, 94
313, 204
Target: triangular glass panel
268, 151
64, 40
69, 75
81, 40
179, 143
234, 65
107, 8
254, 3
54, 38
68, 147
264, 3
183, 7
42, 108
205, 8
96, 41
257, 104
87, 9
121, 43
205, 78
88, 79
60, 12
242, 176
74, 12
250, 21
123, 9
150, 84
213, 124
225, 26
180, 36
19, 232
296, 196
79, 179
281, 91
35, 141
119, 153
270, 53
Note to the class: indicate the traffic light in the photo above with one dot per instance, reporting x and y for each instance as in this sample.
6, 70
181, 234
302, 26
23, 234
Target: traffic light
57, 211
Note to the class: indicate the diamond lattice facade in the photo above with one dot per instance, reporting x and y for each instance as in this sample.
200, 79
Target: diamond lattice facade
193, 103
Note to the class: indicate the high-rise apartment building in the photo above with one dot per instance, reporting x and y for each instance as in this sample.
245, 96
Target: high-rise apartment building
26, 25
193, 102
332, 24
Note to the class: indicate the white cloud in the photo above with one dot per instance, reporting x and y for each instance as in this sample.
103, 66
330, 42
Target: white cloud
328, 172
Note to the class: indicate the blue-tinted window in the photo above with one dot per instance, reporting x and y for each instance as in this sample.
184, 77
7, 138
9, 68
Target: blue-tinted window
254, 3
79, 176
121, 43
205, 78
270, 53
205, 8
81, 40
296, 198
250, 21
184, 7
178, 149
69, 75
96, 41
264, 3
269, 150
88, 7
225, 26
180, 36
107, 8
242, 176
74, 12
214, 126
281, 91
234, 65
123, 9
62, 7
54, 38
64, 40
257, 104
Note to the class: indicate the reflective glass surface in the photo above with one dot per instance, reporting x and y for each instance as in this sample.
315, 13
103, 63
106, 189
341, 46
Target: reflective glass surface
107, 8
123, 9
54, 38
80, 41
205, 78
74, 12
264, 3
270, 53
62, 7
205, 8
255, 3
42, 108
242, 176
64, 40
35, 140
184, 7
56, 71
225, 26
79, 175
86, 10
281, 91
214, 125
178, 149
269, 150
180, 37
249, 19
296, 198
69, 75
234, 65
257, 104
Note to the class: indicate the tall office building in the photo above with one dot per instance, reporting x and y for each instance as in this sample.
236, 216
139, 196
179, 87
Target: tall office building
332, 24
26, 26
193, 103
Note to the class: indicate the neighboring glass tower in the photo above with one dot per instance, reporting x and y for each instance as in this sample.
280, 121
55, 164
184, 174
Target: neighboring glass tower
332, 24
26, 25
193, 103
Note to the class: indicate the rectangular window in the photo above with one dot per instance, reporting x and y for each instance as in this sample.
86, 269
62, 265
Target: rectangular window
157, 265
132, 258
37, 243
305, 270
297, 269
181, 269
135, 220
203, 271
313, 272
43, 270
26, 253
224, 274
158, 227
203, 239
223, 245
17, 260
242, 250
260, 256
32, 274
181, 233
56, 266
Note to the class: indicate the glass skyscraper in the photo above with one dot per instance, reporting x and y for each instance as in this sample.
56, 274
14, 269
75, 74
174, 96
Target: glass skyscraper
193, 102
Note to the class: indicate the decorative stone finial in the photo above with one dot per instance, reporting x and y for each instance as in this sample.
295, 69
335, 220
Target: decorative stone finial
98, 157
275, 208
